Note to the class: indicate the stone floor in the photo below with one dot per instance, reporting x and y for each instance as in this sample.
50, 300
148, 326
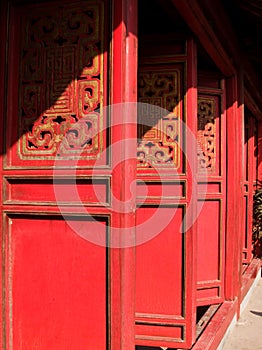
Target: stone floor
247, 333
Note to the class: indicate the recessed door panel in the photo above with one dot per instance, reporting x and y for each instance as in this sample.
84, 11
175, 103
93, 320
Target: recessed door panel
56, 281
211, 190
165, 276
56, 285
57, 84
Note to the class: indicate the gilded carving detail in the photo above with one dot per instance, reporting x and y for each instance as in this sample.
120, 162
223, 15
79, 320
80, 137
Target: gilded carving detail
61, 81
158, 134
206, 134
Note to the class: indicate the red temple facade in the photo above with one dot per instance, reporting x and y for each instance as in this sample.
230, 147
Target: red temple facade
131, 152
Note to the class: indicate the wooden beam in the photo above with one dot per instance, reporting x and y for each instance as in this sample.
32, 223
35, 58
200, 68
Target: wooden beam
217, 35
252, 90
252, 105
192, 13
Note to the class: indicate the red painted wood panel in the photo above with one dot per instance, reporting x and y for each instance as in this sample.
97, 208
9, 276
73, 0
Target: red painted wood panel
165, 262
234, 178
209, 241
211, 189
249, 183
56, 286
60, 84
3, 21
160, 266
25, 190
57, 80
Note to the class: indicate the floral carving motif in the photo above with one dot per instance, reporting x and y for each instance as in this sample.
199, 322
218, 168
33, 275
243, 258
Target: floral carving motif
206, 134
61, 81
158, 134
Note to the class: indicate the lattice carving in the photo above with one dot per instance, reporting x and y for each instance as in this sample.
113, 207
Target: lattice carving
206, 134
158, 134
61, 81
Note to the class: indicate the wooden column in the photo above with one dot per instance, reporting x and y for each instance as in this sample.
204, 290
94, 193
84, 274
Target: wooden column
3, 20
240, 181
235, 172
232, 265
124, 90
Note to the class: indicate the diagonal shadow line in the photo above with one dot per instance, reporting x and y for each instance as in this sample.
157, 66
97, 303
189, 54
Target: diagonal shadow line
257, 313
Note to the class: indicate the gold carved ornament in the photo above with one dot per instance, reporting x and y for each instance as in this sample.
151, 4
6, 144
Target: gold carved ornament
61, 81
206, 135
158, 130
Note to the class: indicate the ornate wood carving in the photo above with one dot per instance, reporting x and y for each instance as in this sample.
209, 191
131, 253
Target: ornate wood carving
61, 81
206, 134
159, 135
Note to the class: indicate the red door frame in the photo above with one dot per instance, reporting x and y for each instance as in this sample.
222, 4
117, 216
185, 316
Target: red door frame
3, 20
250, 175
211, 232
170, 326
123, 89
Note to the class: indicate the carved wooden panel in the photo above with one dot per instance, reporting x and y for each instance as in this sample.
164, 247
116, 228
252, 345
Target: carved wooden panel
212, 193
164, 274
61, 81
249, 185
159, 128
207, 126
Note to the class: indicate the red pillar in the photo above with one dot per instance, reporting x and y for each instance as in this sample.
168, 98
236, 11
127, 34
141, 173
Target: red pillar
235, 173
240, 181
3, 21
234, 159
124, 89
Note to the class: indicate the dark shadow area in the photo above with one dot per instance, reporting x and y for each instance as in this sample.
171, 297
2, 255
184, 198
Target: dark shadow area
55, 70
201, 310
146, 348
257, 313
59, 75
55, 73
151, 348
161, 31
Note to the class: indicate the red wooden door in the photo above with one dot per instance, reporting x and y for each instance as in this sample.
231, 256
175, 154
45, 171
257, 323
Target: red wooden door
60, 279
250, 176
165, 299
212, 190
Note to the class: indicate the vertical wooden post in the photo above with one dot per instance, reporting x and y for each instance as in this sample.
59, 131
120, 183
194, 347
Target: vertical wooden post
191, 121
240, 181
232, 221
235, 156
3, 33
123, 91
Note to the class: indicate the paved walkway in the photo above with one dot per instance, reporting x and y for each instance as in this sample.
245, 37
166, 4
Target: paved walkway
247, 333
